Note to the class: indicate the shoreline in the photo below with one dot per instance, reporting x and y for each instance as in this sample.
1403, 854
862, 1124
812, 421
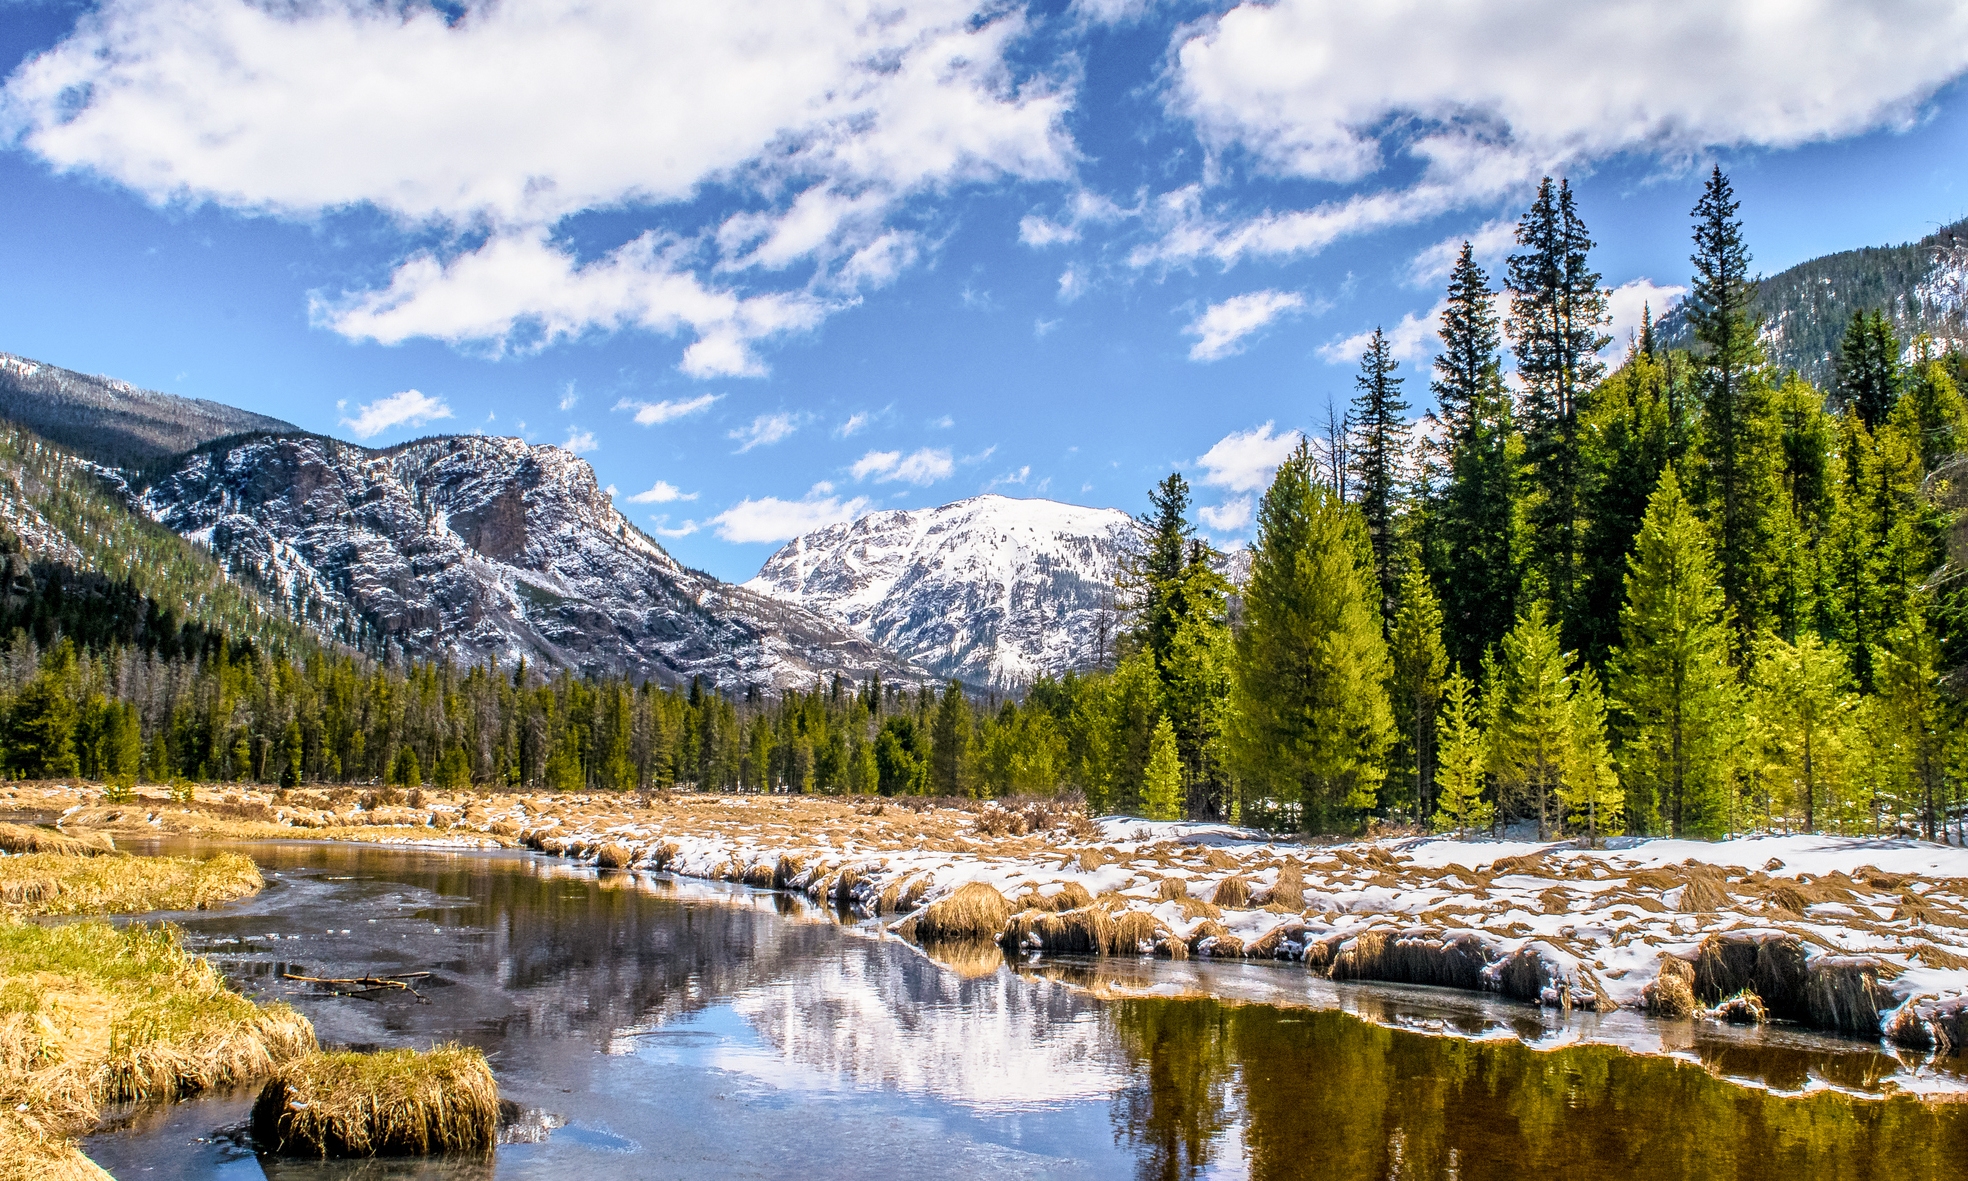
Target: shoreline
1859, 936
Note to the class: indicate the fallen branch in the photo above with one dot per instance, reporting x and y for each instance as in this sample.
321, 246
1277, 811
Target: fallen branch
367, 984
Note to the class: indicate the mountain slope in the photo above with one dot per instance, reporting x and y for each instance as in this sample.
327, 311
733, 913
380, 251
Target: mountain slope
475, 547
990, 590
1922, 286
114, 422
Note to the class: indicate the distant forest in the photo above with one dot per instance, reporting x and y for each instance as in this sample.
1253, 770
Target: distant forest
1694, 594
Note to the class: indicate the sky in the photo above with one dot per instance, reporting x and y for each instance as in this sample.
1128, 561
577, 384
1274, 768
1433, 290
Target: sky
768, 266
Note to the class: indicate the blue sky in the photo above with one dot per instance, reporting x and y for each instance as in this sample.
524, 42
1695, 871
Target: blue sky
768, 265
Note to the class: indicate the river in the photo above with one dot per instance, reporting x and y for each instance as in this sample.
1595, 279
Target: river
649, 1027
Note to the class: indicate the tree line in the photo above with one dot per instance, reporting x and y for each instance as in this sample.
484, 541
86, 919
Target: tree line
1691, 595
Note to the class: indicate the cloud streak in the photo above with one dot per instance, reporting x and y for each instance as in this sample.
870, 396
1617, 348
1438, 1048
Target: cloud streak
409, 408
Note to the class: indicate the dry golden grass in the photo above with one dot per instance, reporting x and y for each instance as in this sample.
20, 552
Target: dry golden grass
1672, 992
93, 1014
60, 884
975, 910
25, 838
392, 1103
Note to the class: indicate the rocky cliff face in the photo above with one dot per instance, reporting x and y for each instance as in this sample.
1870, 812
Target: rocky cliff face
990, 590
476, 547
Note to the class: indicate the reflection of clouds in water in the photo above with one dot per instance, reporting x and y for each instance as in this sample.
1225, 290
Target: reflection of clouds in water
874, 1018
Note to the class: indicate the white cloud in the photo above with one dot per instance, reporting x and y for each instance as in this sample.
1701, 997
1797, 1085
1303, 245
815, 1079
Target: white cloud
519, 290
1413, 339
580, 442
1227, 518
1223, 325
855, 424
942, 422
769, 518
517, 115
1043, 327
1034, 230
1243, 461
1628, 303
662, 492
1072, 285
764, 430
922, 467
668, 410
408, 408
1337, 91
1010, 479
568, 397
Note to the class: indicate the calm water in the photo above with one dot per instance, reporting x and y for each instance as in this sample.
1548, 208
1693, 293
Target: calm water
659, 1029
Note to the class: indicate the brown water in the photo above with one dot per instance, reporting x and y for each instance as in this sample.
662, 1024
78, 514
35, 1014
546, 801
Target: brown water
652, 1028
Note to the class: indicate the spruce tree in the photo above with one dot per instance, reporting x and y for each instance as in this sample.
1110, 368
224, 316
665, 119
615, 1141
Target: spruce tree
1311, 721
1590, 791
1557, 320
1914, 718
1462, 762
1738, 468
1671, 681
1161, 790
1379, 443
1631, 433
1154, 576
1419, 663
1473, 554
1195, 676
1531, 739
1868, 368
1938, 413
950, 743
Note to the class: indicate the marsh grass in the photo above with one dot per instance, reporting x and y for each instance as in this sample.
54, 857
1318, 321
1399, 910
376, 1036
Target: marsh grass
391, 1103
62, 884
93, 1014
27, 838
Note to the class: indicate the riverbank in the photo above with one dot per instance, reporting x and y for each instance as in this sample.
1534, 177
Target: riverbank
1864, 936
92, 1014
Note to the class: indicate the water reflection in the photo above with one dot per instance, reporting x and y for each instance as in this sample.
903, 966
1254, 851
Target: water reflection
664, 1029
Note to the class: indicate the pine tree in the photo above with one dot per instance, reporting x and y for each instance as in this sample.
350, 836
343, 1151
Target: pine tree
1805, 517
1463, 759
1801, 698
1737, 432
949, 743
1671, 681
1868, 368
1419, 663
1557, 319
1531, 740
1162, 781
1938, 413
1195, 675
1154, 576
1473, 557
1310, 716
1379, 441
1590, 791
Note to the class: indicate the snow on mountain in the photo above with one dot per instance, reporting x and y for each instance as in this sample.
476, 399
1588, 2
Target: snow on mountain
990, 590
476, 547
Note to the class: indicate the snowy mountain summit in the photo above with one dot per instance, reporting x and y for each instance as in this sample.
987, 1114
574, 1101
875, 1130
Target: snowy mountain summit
989, 590
472, 547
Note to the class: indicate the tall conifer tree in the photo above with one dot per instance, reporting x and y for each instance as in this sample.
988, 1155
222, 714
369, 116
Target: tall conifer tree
1868, 369
1557, 320
1671, 681
1475, 536
1738, 440
1380, 437
1310, 719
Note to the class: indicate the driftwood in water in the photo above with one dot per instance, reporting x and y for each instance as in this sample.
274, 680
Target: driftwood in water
365, 985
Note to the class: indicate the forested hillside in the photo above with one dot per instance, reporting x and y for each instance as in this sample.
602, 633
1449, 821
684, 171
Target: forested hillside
114, 422
1920, 287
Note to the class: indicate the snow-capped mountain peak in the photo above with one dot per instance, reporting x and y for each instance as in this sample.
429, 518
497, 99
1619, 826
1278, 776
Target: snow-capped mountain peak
991, 590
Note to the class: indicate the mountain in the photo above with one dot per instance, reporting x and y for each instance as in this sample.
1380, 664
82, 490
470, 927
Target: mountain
1922, 286
475, 547
989, 590
114, 422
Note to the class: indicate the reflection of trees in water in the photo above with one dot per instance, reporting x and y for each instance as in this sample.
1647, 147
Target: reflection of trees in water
1324, 1094
883, 1015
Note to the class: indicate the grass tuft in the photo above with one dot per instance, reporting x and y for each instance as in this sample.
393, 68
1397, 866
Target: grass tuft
25, 838
61, 884
392, 1103
975, 910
